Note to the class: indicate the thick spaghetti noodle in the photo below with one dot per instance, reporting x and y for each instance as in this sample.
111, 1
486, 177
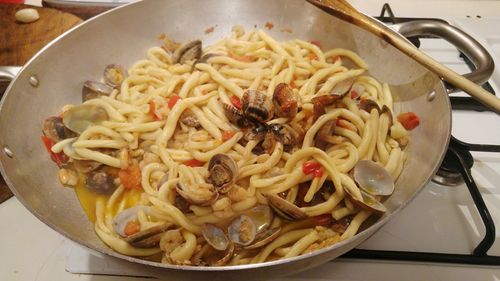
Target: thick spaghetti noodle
241, 152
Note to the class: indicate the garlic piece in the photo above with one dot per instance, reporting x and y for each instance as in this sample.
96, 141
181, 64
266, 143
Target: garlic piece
68, 177
27, 15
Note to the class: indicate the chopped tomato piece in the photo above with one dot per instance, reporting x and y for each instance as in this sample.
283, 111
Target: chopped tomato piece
173, 100
312, 56
269, 25
317, 43
130, 177
152, 111
210, 30
227, 135
318, 173
322, 220
409, 120
131, 227
312, 167
59, 158
193, 163
354, 95
236, 102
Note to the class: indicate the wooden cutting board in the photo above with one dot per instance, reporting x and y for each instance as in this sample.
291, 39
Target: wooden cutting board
20, 41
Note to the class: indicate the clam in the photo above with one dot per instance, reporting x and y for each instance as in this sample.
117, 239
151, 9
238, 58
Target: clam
264, 238
235, 116
223, 172
286, 135
114, 74
322, 101
100, 181
285, 101
215, 237
373, 178
220, 258
242, 230
93, 89
284, 208
368, 201
187, 52
262, 216
368, 105
53, 128
257, 106
203, 59
343, 87
324, 132
80, 117
189, 119
148, 238
121, 219
202, 194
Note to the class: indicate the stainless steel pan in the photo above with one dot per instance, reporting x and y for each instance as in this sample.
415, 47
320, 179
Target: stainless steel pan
55, 75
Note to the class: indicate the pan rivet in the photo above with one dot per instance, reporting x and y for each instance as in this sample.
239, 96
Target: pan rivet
431, 96
8, 152
34, 81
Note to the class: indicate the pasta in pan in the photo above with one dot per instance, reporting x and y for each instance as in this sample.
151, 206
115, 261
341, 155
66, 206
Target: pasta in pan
245, 151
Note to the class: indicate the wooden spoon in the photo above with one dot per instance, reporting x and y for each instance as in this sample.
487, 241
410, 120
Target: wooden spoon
344, 11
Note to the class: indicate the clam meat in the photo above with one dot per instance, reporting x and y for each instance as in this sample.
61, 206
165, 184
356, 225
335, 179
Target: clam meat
242, 230
114, 75
285, 101
223, 172
202, 194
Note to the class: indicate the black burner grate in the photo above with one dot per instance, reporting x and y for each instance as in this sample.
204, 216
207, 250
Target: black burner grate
458, 160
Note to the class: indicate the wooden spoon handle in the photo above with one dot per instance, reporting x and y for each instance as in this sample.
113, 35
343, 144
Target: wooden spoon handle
343, 10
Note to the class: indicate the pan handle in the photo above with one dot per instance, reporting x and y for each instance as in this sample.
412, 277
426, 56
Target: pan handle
474, 51
7, 74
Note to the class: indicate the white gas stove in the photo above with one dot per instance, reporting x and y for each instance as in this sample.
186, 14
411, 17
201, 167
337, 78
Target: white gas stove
452, 223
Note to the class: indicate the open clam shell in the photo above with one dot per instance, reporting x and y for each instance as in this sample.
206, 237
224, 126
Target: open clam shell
368, 202
223, 172
264, 238
148, 238
114, 74
215, 237
284, 208
79, 118
189, 51
242, 230
94, 89
373, 178
262, 216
